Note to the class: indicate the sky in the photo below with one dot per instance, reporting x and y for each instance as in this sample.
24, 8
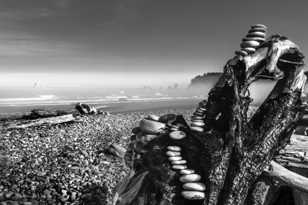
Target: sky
133, 42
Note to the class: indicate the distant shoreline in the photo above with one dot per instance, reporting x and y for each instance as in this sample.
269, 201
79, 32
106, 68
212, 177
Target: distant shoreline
113, 107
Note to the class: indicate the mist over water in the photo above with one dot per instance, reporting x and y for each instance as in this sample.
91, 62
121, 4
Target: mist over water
67, 89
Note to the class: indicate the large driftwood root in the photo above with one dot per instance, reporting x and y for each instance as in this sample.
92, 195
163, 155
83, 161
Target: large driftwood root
224, 153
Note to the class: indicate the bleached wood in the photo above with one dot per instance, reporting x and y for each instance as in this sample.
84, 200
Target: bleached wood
42, 121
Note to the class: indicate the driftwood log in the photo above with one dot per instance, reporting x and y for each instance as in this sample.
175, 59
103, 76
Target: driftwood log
228, 159
42, 121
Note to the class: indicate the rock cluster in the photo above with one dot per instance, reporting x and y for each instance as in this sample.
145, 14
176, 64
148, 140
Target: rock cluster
255, 37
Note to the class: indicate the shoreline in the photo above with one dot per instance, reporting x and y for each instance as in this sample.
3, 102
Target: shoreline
114, 107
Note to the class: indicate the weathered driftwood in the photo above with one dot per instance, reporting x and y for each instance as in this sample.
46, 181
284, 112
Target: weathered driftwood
42, 121
232, 152
295, 154
288, 177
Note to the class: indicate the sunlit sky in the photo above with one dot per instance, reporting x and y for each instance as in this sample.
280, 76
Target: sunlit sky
131, 42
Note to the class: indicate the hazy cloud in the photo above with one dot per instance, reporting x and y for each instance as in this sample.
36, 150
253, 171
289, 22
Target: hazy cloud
135, 34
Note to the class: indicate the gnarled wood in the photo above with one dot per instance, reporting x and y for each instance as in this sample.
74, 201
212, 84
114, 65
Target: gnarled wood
233, 151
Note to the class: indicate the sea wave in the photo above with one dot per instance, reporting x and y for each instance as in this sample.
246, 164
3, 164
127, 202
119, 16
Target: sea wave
54, 100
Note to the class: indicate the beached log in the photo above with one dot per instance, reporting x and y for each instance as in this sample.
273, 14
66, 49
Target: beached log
42, 121
288, 177
295, 154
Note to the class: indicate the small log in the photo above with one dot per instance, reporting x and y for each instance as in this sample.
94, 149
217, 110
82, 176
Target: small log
43, 121
295, 154
288, 177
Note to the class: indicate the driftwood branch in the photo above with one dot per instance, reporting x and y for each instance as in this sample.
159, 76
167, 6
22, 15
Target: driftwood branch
295, 154
43, 121
288, 177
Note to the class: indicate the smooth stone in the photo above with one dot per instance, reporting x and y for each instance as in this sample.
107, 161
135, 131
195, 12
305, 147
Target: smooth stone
195, 186
187, 171
259, 39
199, 111
197, 118
179, 167
241, 53
256, 34
197, 129
176, 158
168, 118
177, 135
198, 114
151, 127
174, 129
190, 178
153, 117
202, 109
259, 26
253, 44
198, 124
249, 50
174, 148
179, 162
257, 29
173, 154
193, 195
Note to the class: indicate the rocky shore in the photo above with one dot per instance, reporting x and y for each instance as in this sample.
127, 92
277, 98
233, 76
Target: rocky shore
67, 163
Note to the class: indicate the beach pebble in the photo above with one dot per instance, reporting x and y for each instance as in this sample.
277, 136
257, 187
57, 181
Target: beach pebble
153, 117
249, 50
176, 158
172, 153
251, 43
256, 34
259, 26
177, 135
190, 178
198, 112
241, 53
195, 186
187, 171
179, 167
151, 127
259, 39
167, 118
197, 117
193, 195
197, 124
174, 127
257, 29
174, 148
202, 109
178, 162
197, 129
